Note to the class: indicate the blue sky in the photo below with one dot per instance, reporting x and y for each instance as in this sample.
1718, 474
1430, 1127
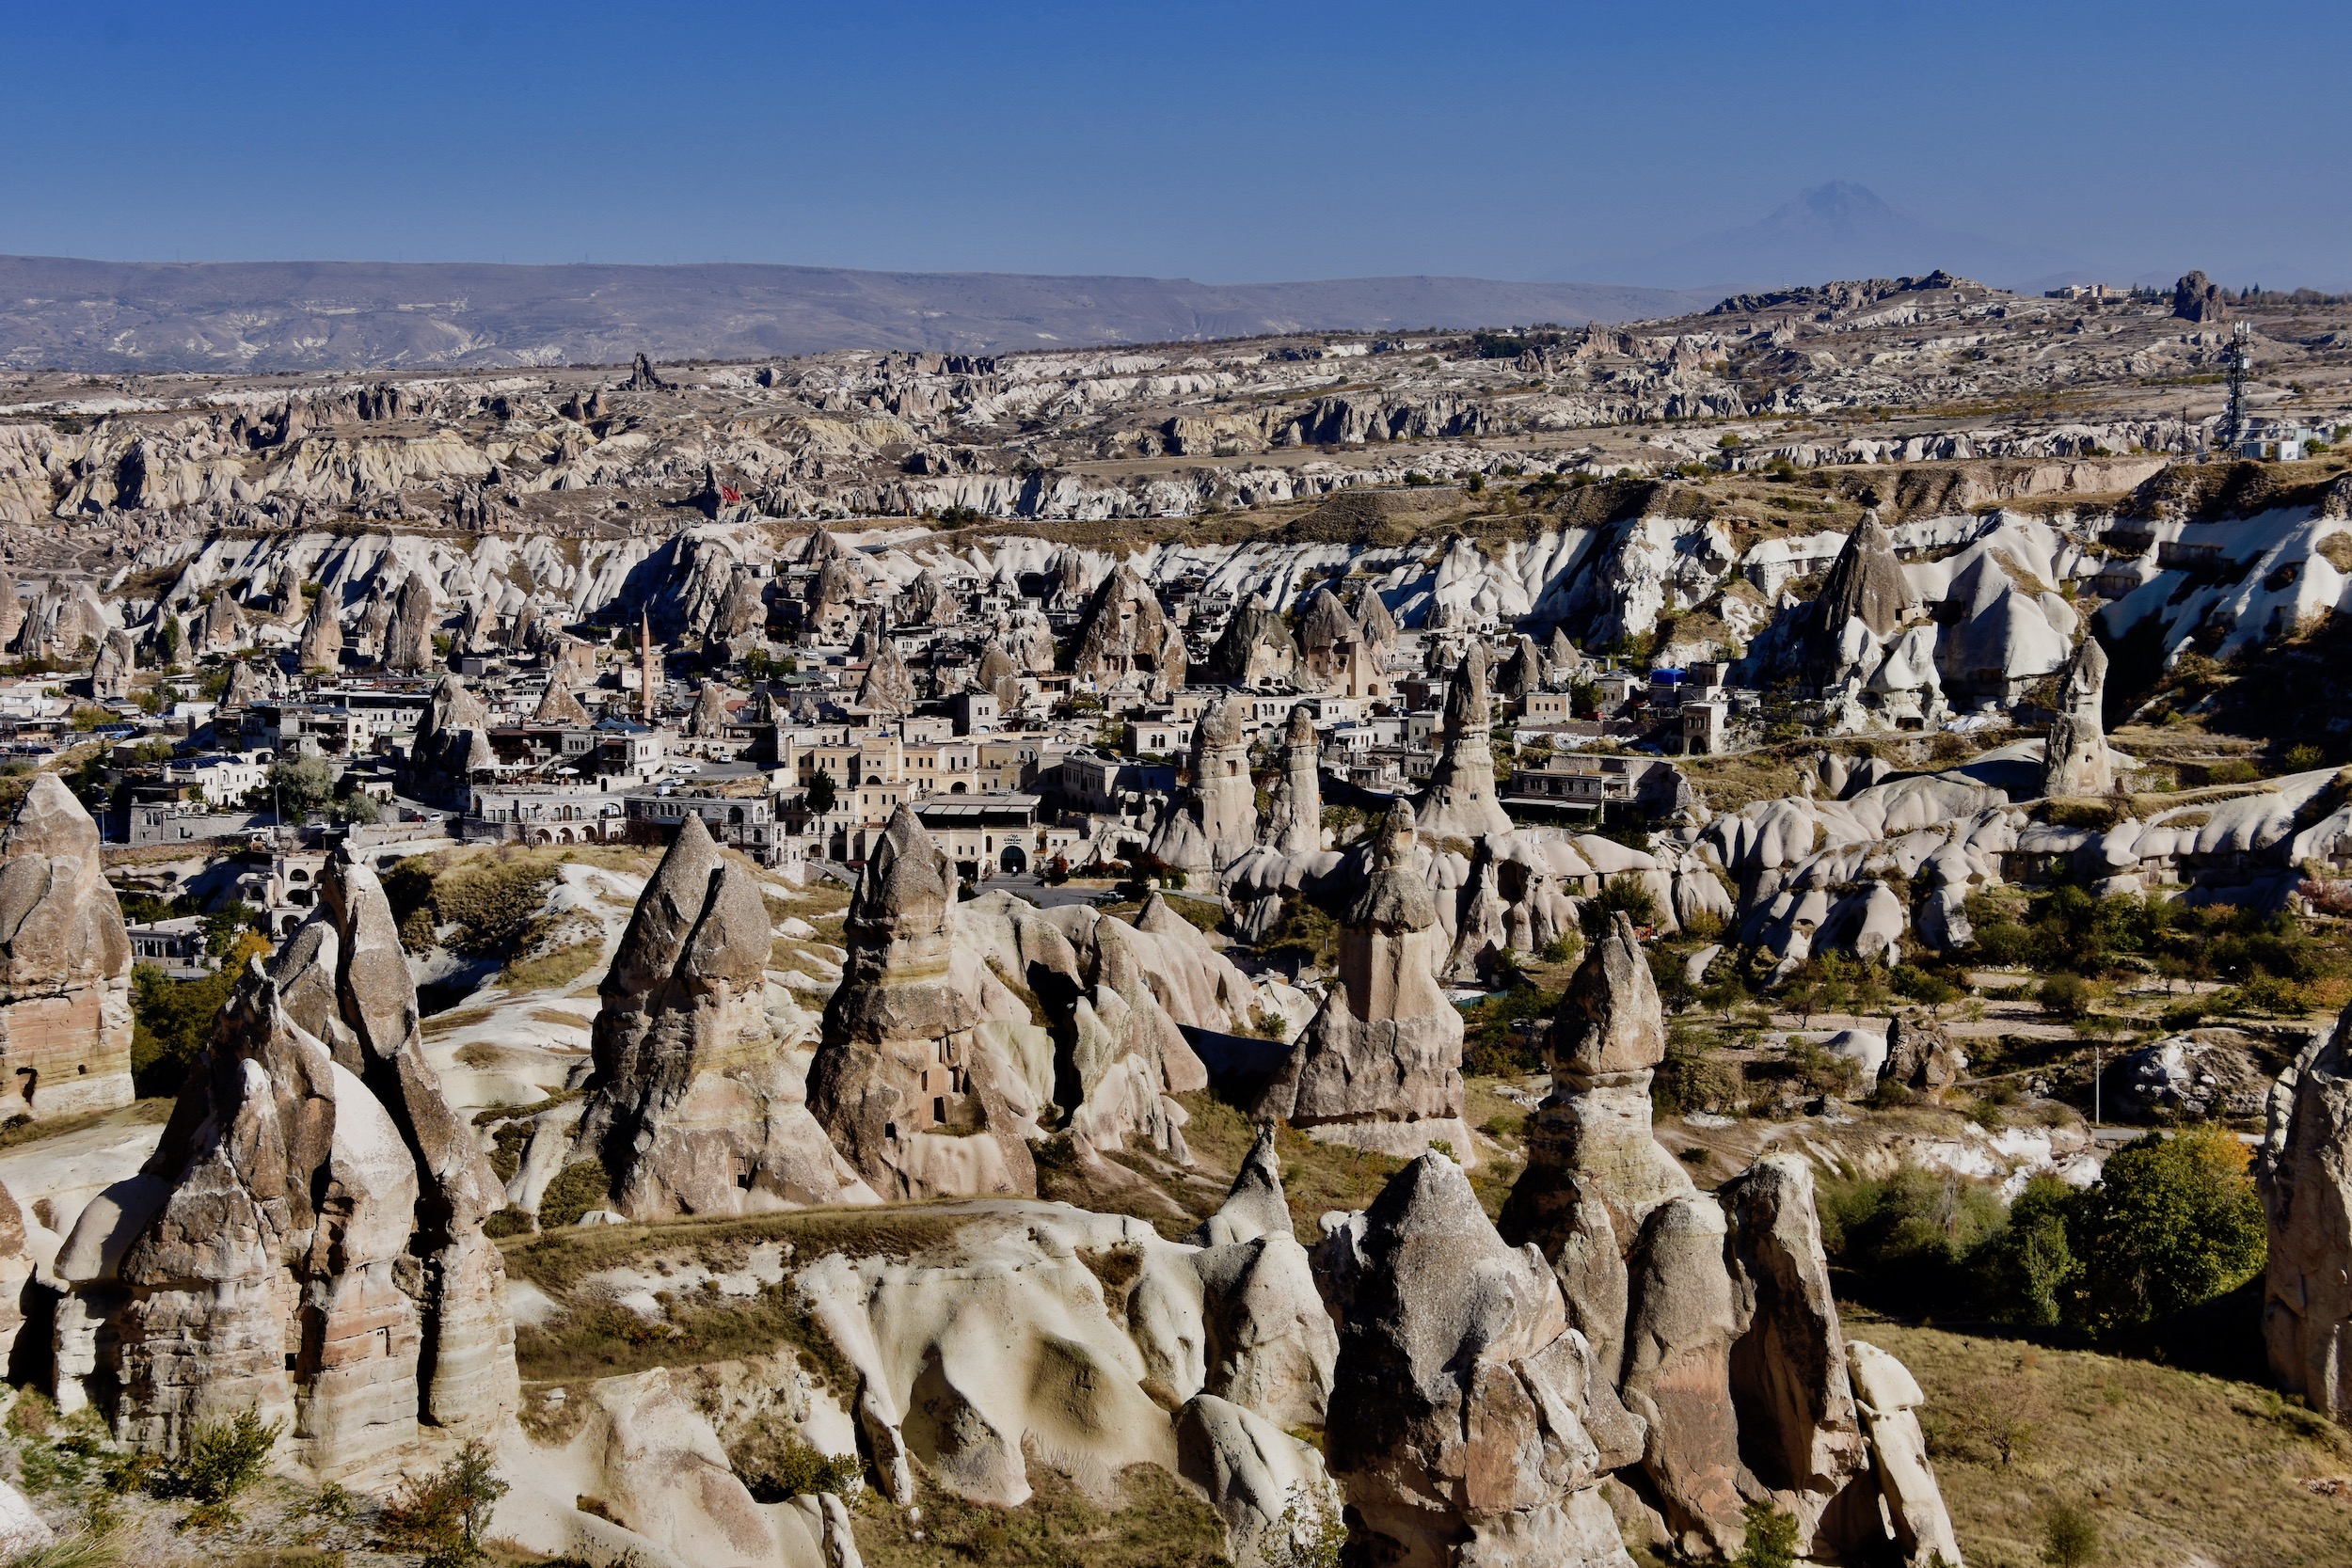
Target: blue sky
1223, 142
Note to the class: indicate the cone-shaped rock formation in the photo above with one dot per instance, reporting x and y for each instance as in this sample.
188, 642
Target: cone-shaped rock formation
1213, 820
692, 1106
1381, 1066
1294, 820
1468, 1422
2077, 761
65, 1009
900, 1081
1460, 799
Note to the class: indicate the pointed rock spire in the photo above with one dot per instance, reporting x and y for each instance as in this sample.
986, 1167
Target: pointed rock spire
1213, 821
2077, 760
1380, 1064
1866, 587
888, 690
1461, 801
557, 705
1467, 1423
900, 1072
710, 718
321, 646
117, 662
1293, 825
1255, 1205
65, 963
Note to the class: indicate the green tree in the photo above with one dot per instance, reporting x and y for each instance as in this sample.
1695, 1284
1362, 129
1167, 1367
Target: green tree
2172, 1222
1623, 892
222, 1458
221, 930
357, 810
168, 641
2070, 1536
171, 1021
2029, 1268
301, 788
821, 793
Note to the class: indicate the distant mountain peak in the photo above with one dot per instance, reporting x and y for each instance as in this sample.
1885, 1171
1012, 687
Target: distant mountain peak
1834, 201
1834, 230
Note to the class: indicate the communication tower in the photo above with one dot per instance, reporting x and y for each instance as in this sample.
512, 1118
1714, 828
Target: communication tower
2241, 360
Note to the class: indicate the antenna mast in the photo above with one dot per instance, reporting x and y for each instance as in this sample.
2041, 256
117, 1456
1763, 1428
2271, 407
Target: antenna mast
2241, 359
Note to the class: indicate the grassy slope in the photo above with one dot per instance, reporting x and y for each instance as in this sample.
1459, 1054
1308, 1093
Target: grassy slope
2177, 1467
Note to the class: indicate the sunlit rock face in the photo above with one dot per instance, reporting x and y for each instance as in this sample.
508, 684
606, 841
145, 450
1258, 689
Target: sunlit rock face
904, 1082
65, 992
694, 1107
1381, 1066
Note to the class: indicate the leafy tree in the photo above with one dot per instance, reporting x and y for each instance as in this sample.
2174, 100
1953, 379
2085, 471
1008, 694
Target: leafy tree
2070, 1536
1308, 1533
2172, 1223
2064, 995
222, 931
821, 794
168, 641
1919, 985
357, 810
222, 1459
171, 1021
301, 788
2029, 1269
1622, 894
446, 1510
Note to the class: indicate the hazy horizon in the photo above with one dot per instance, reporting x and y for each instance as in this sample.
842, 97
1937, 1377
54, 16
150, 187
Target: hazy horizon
1220, 143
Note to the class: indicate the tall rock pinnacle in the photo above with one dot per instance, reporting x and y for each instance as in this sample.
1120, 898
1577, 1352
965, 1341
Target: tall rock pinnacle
1381, 1066
2077, 761
1461, 801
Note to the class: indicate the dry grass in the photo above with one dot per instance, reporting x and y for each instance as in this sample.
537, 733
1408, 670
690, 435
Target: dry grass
1154, 1521
1317, 1178
142, 1113
818, 898
2177, 1467
559, 1259
552, 971
815, 960
440, 1025
600, 1339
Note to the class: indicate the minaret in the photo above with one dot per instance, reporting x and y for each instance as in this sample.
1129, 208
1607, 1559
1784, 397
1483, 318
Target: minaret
645, 663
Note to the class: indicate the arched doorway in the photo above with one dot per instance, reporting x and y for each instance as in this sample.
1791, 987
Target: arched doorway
1014, 859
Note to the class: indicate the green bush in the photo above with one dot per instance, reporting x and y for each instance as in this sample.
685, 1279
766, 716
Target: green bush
445, 1512
2172, 1223
223, 1459
1772, 1541
1497, 1041
1911, 1238
1690, 1080
2028, 1269
777, 1466
2070, 1536
2064, 995
1622, 894
1919, 985
171, 1022
576, 1189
